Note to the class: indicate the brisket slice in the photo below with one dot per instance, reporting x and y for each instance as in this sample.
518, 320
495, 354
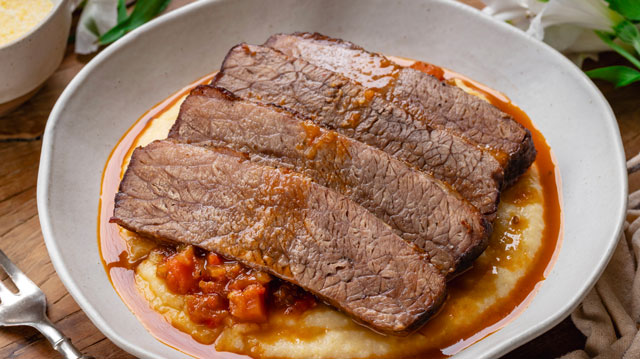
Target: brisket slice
280, 222
442, 105
335, 102
419, 208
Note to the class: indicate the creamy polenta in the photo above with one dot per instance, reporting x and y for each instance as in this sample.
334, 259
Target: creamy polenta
17, 17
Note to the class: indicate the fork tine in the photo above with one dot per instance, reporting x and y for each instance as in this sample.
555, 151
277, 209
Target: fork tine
20, 279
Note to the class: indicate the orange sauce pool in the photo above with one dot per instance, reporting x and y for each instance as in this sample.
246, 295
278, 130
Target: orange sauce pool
114, 251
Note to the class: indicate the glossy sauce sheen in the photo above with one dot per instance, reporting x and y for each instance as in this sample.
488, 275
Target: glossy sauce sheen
115, 253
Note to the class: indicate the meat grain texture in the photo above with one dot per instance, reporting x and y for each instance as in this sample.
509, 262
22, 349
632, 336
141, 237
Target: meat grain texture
418, 207
366, 183
441, 105
333, 101
282, 223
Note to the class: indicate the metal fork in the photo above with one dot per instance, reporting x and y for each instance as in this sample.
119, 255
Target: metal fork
28, 307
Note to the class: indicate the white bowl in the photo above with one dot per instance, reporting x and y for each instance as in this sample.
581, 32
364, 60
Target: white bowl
156, 60
27, 62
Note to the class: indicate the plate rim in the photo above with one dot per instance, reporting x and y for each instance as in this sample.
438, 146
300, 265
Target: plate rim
44, 172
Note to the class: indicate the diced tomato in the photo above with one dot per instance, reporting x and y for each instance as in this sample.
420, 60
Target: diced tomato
209, 309
262, 277
182, 271
209, 287
213, 259
248, 305
232, 269
247, 278
217, 273
216, 287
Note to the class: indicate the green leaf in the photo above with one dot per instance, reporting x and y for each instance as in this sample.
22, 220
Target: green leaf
144, 11
92, 26
618, 75
619, 49
122, 11
627, 8
114, 34
628, 32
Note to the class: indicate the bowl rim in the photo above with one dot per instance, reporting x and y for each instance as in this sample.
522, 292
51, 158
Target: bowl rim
561, 312
40, 24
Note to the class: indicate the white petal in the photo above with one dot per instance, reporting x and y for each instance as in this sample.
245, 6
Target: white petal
517, 12
506, 10
561, 37
521, 23
535, 6
536, 29
97, 16
590, 14
588, 41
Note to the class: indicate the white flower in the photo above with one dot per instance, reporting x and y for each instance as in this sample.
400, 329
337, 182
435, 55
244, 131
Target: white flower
566, 25
573, 39
516, 12
98, 16
587, 14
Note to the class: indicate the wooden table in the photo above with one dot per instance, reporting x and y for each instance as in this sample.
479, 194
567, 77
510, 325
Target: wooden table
20, 236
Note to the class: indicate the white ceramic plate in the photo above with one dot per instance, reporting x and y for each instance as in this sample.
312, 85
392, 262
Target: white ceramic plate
149, 64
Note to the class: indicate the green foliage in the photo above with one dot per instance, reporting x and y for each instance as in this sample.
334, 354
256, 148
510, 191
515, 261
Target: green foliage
627, 32
144, 11
618, 75
608, 39
627, 8
122, 11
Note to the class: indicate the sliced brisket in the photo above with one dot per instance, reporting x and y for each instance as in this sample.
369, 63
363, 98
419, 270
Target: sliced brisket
283, 223
336, 102
418, 207
442, 105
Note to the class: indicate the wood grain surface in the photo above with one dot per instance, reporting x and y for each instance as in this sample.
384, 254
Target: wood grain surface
21, 239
